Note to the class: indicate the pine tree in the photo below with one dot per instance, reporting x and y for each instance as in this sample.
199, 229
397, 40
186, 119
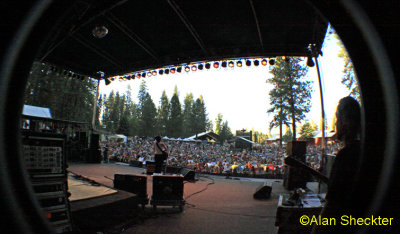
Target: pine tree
163, 113
225, 133
175, 116
349, 78
188, 116
148, 118
67, 97
201, 122
307, 131
292, 91
218, 123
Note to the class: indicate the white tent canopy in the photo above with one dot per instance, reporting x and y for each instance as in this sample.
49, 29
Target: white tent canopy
36, 111
118, 136
327, 134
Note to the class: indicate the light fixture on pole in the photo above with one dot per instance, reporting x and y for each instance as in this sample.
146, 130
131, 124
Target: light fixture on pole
310, 61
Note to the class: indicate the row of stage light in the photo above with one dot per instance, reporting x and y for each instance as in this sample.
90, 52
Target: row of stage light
192, 67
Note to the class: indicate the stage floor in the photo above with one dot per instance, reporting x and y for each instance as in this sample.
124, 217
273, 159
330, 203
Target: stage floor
214, 204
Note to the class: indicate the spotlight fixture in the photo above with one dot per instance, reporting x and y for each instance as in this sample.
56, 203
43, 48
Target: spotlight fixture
138, 76
310, 62
264, 62
200, 67
172, 70
148, 74
161, 72
166, 71
194, 68
187, 69
99, 31
248, 63
224, 64
179, 69
239, 63
207, 66
231, 64
271, 62
154, 73
144, 74
107, 81
216, 65
256, 62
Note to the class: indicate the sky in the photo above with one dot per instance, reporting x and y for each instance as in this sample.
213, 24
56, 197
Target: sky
240, 94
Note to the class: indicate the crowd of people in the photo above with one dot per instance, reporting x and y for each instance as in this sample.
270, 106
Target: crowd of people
211, 157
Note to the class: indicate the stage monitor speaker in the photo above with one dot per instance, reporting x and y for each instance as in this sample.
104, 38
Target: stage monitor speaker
264, 191
131, 183
188, 174
94, 141
173, 170
167, 187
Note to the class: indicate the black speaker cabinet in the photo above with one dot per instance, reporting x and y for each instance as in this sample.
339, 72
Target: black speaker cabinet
173, 170
131, 183
167, 188
150, 167
297, 149
94, 141
188, 174
294, 178
92, 155
264, 191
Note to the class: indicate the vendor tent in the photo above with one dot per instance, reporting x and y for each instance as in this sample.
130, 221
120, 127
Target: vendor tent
36, 111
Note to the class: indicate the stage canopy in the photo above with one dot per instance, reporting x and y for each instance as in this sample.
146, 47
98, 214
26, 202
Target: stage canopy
122, 37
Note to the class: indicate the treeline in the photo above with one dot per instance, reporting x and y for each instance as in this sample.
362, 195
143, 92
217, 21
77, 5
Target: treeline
69, 96
173, 119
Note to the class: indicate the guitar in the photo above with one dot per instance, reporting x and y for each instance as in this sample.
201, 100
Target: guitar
296, 163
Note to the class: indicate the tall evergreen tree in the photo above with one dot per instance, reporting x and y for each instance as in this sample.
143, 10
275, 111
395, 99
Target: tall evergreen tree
175, 116
292, 89
163, 113
225, 133
148, 119
201, 122
218, 123
349, 78
188, 116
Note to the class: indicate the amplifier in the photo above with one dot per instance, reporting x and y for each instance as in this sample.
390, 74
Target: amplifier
167, 187
131, 183
150, 167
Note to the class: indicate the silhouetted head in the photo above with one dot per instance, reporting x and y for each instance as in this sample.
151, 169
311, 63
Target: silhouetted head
348, 118
157, 138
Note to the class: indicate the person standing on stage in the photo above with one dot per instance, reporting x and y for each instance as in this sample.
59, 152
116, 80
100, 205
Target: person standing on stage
160, 152
340, 195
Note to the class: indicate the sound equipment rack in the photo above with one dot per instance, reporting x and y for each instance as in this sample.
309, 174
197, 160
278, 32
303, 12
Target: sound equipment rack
46, 165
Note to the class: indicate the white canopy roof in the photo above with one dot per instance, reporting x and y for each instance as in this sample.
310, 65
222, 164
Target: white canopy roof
273, 138
37, 111
327, 134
